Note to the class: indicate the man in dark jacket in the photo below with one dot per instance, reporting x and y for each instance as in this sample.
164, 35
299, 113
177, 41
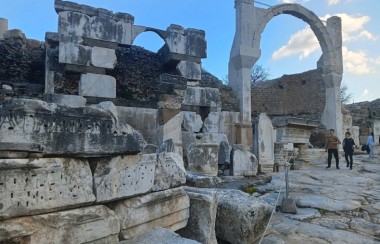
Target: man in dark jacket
348, 147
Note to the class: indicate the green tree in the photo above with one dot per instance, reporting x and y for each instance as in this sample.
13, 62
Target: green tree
345, 97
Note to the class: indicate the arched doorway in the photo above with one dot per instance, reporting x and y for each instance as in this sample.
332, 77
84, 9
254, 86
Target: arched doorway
251, 22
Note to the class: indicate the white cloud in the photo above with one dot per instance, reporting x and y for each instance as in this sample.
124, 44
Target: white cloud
303, 42
333, 2
377, 61
353, 27
368, 35
356, 62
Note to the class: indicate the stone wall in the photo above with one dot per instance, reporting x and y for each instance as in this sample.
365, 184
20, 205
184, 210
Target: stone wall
137, 73
21, 65
297, 94
363, 115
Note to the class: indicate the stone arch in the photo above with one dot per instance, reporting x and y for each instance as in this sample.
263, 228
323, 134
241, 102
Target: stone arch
138, 30
307, 16
245, 51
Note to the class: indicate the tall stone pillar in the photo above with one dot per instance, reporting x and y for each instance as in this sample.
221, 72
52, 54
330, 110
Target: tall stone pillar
3, 27
332, 68
242, 58
332, 116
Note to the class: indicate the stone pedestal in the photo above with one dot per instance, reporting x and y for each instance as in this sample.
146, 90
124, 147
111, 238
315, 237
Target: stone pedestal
302, 153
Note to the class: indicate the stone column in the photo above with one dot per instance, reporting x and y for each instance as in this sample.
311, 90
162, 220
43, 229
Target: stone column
302, 153
332, 66
242, 58
278, 157
3, 27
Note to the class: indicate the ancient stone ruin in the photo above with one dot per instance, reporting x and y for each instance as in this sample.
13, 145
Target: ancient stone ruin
89, 153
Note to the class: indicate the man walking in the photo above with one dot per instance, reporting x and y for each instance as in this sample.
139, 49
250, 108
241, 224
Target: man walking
332, 143
348, 147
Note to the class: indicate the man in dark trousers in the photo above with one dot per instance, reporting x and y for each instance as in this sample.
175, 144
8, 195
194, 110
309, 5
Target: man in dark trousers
332, 142
348, 147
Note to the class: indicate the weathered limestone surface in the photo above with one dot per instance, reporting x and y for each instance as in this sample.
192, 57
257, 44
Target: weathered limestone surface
103, 57
94, 23
170, 171
199, 96
123, 176
37, 126
33, 186
73, 53
66, 100
172, 130
190, 70
95, 224
201, 152
264, 142
168, 209
334, 206
97, 85
201, 225
212, 123
192, 122
190, 42
144, 120
243, 162
240, 218
159, 235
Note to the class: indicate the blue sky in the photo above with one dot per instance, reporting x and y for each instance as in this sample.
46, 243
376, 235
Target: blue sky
288, 46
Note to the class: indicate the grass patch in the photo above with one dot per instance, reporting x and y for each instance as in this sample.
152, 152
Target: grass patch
250, 189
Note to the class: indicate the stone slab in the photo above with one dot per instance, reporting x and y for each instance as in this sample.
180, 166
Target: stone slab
95, 224
33, 186
37, 126
96, 85
190, 70
200, 96
103, 57
159, 235
74, 53
106, 27
212, 123
252, 214
243, 163
192, 122
123, 176
155, 209
201, 225
173, 222
201, 152
72, 101
170, 171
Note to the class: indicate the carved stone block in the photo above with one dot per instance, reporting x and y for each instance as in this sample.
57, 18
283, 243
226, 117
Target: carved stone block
168, 209
95, 224
37, 126
123, 176
42, 185
96, 85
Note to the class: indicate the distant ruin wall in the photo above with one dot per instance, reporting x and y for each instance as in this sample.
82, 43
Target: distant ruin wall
21, 59
297, 94
137, 73
364, 114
